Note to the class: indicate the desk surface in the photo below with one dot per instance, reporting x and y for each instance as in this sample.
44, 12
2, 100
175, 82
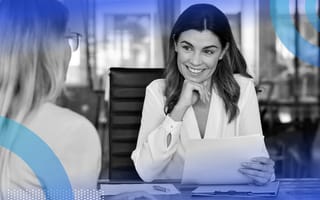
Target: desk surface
290, 189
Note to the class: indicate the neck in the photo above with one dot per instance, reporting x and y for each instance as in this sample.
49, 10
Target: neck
208, 84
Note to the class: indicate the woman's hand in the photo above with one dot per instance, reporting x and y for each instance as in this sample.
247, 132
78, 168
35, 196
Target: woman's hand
132, 196
259, 169
191, 92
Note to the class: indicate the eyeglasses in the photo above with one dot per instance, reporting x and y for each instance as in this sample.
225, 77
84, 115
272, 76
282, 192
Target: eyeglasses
73, 40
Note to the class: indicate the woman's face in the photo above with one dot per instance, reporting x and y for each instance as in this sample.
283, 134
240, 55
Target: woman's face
198, 53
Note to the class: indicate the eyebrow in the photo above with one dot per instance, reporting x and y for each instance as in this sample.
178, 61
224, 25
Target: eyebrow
206, 47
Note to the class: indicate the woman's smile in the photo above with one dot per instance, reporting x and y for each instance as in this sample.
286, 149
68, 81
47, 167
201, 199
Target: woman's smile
194, 70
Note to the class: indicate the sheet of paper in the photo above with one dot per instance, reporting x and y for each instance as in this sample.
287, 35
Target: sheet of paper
154, 189
217, 161
271, 189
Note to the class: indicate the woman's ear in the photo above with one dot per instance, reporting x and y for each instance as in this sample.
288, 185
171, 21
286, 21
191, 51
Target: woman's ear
225, 49
175, 46
175, 43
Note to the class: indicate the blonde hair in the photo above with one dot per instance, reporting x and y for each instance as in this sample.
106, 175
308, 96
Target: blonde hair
30, 71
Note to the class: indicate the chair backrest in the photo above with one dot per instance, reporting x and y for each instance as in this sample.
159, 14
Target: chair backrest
127, 91
84, 101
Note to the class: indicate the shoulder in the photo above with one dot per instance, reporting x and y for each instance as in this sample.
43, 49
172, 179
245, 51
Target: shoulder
243, 81
247, 88
57, 123
158, 84
155, 93
75, 120
157, 88
246, 84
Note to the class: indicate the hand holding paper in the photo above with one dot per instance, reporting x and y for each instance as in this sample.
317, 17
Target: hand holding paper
259, 169
217, 161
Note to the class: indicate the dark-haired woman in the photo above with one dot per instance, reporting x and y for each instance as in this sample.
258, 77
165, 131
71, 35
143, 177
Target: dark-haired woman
206, 94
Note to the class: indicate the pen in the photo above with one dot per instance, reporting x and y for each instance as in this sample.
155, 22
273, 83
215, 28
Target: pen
160, 188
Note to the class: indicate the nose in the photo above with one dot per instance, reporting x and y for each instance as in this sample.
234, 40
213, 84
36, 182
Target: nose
196, 59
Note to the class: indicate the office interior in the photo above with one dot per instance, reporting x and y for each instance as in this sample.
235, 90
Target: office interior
134, 34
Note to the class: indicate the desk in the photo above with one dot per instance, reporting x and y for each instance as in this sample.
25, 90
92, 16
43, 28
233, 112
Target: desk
290, 189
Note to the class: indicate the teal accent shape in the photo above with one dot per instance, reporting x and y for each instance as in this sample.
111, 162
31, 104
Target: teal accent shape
311, 12
39, 157
283, 26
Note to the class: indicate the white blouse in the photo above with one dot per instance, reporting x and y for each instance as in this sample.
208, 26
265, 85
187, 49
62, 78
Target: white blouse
154, 159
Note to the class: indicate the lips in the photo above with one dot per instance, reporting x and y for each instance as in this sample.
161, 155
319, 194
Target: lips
194, 70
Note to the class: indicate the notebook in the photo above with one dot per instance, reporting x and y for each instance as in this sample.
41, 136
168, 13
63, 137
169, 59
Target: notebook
269, 190
217, 161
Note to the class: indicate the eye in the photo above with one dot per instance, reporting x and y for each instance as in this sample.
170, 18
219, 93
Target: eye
186, 47
208, 51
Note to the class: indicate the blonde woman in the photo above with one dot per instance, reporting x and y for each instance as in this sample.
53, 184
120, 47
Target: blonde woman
34, 55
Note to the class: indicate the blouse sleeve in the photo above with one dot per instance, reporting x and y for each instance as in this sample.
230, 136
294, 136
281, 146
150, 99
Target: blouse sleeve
153, 153
250, 123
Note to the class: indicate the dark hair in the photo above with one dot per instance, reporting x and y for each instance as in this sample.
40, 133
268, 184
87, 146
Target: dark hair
207, 17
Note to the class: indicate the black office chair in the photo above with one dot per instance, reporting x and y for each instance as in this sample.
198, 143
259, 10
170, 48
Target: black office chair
127, 91
84, 101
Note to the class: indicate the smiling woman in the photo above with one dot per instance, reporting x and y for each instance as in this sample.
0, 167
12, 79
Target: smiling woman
207, 93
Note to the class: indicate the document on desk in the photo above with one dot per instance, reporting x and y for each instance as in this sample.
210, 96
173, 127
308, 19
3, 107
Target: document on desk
217, 161
269, 190
154, 189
